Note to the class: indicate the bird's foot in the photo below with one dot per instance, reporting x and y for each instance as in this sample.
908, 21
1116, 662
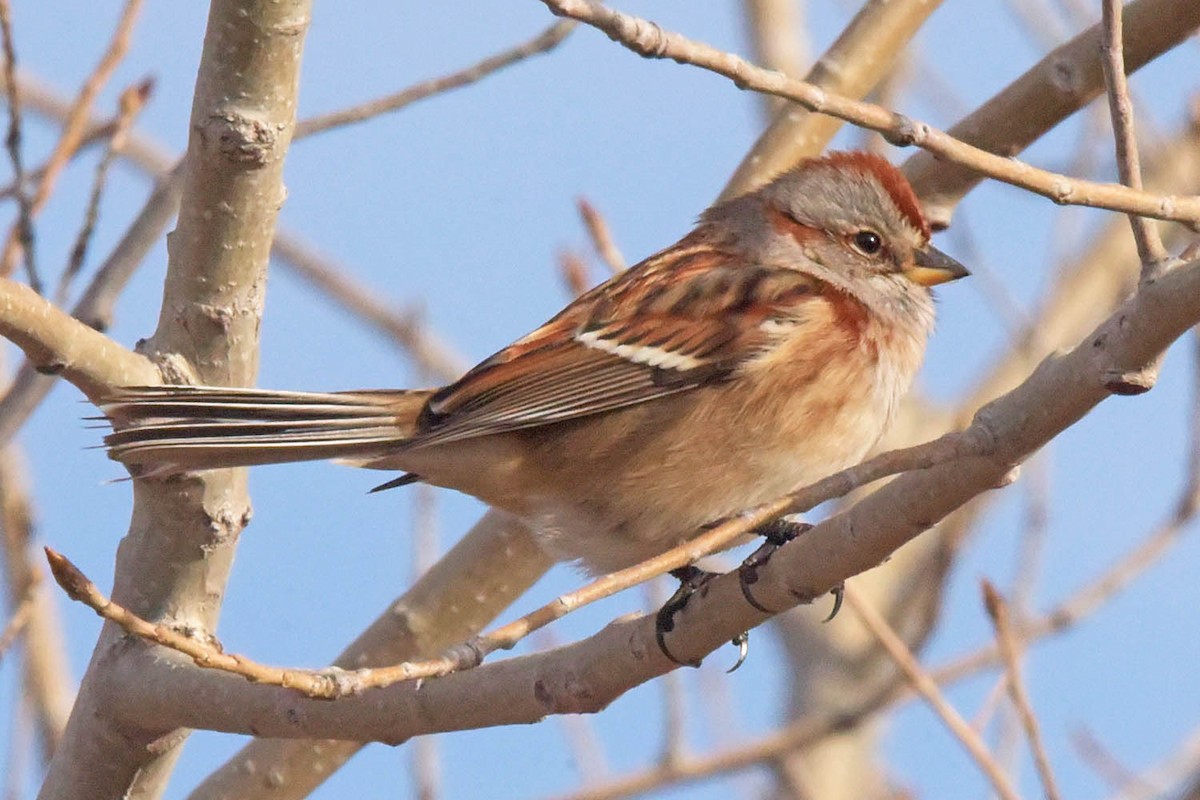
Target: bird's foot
776, 533
690, 580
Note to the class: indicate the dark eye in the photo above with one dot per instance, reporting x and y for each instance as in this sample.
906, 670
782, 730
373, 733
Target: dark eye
868, 242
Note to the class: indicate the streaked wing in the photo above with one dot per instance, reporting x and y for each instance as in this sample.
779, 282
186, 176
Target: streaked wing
686, 318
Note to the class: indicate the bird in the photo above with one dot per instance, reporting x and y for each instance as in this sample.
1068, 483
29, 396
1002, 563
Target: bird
766, 349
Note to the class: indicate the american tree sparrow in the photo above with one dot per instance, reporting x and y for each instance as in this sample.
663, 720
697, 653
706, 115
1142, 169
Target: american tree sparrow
765, 350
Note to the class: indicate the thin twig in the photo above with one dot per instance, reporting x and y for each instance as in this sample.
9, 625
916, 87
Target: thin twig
574, 273
432, 355
601, 237
131, 102
997, 609
426, 765
544, 42
96, 134
811, 729
20, 617
1149, 245
13, 144
651, 41
1096, 755
950, 446
75, 126
863, 53
1161, 780
335, 682
927, 688
776, 30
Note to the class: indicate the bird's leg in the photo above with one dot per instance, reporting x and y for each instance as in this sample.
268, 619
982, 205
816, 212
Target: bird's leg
777, 533
690, 579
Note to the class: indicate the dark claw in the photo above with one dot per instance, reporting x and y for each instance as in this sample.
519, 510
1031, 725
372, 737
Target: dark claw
777, 533
839, 594
690, 579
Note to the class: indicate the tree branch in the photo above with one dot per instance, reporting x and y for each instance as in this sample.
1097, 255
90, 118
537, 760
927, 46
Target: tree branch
863, 54
60, 344
650, 40
173, 565
588, 675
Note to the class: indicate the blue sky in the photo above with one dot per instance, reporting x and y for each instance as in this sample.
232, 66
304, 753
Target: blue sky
458, 206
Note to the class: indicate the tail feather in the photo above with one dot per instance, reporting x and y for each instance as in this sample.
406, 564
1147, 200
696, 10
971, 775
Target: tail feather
174, 428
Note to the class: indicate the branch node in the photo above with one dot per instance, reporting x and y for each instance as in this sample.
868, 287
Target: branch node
241, 138
905, 132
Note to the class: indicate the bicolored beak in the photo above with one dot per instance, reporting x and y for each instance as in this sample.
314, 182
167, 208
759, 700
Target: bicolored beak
931, 267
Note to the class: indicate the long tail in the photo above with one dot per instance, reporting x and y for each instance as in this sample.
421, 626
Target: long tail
167, 429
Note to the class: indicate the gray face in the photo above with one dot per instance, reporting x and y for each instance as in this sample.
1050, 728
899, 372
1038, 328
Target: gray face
854, 209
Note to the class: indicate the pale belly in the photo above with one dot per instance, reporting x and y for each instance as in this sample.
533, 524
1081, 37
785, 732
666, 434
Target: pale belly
612, 490
681, 464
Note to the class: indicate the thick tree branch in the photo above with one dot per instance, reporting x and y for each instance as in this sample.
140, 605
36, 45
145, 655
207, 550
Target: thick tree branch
489, 568
588, 675
60, 344
173, 565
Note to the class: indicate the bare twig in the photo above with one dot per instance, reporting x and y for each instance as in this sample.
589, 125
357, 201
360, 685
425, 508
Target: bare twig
997, 609
652, 41
75, 126
130, 105
449, 603
776, 32
46, 684
601, 237
574, 273
927, 688
1096, 755
544, 42
95, 306
206, 654
335, 682
18, 620
1126, 569
950, 446
862, 55
1149, 244
431, 354
176, 557
1161, 780
811, 729
13, 144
